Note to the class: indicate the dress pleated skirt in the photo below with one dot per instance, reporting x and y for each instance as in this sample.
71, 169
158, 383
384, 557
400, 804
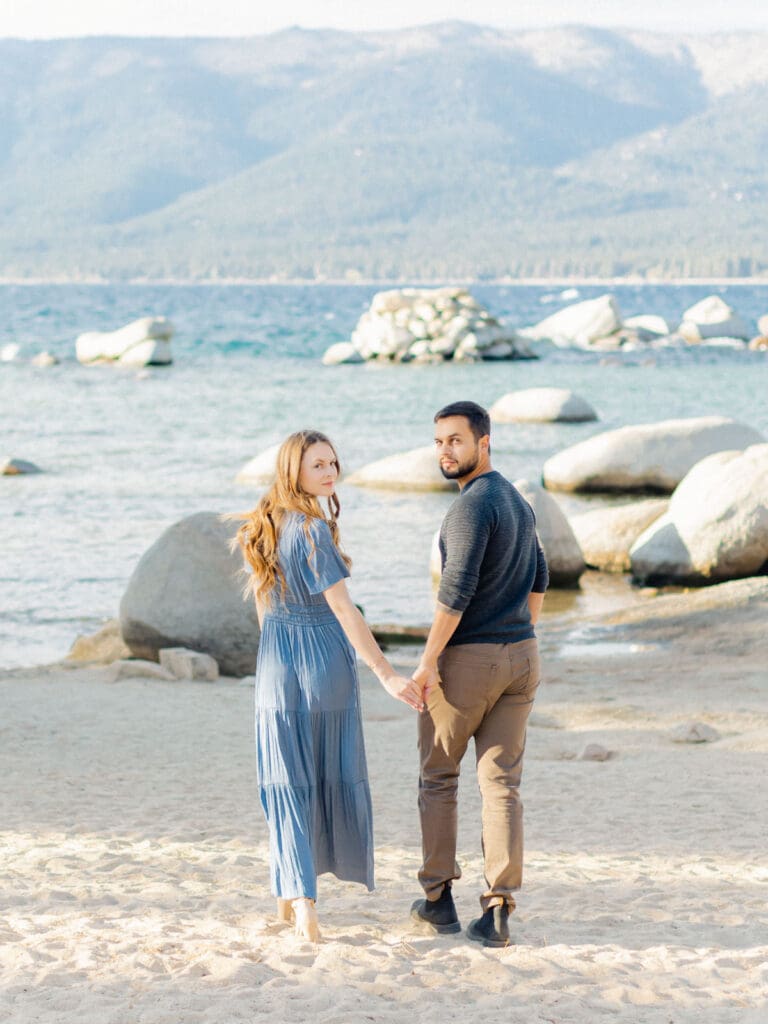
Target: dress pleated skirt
311, 767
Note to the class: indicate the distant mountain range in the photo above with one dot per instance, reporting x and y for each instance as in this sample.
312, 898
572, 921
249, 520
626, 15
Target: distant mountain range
447, 152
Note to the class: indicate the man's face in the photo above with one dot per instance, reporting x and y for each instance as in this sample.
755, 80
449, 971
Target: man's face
458, 452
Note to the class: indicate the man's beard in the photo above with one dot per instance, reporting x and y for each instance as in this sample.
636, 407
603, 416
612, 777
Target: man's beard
462, 468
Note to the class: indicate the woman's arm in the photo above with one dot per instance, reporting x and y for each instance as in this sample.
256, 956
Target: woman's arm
361, 638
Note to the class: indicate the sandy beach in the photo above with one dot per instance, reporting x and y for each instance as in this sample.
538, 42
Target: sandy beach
135, 868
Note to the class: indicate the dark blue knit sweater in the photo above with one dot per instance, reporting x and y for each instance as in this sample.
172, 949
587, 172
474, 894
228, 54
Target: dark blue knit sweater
492, 561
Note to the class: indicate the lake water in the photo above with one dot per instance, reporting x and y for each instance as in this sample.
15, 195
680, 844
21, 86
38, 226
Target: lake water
128, 453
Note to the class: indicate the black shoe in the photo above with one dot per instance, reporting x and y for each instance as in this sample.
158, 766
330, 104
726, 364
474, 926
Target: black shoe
439, 914
492, 929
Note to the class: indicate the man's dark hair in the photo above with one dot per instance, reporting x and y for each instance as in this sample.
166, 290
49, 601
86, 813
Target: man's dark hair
478, 418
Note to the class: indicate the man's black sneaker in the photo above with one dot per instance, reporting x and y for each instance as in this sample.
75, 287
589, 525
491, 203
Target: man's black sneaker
439, 914
492, 929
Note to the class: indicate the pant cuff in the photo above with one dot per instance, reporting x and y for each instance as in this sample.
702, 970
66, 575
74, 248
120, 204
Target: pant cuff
497, 899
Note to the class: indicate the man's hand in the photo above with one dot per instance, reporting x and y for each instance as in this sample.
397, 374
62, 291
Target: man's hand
406, 690
427, 677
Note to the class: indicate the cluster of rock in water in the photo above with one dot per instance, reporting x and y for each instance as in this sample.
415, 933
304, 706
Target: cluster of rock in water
706, 522
143, 342
598, 324
436, 325
427, 326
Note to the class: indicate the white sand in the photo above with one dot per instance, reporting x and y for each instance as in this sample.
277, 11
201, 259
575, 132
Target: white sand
135, 873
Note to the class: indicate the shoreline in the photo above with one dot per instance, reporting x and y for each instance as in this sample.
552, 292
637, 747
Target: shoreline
599, 593
608, 603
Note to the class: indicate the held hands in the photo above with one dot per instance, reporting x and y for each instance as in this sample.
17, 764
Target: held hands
403, 689
427, 677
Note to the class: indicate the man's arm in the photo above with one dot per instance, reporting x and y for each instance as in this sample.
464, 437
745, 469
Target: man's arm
465, 530
442, 629
535, 601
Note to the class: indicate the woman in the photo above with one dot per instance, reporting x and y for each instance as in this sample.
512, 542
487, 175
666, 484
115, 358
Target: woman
310, 754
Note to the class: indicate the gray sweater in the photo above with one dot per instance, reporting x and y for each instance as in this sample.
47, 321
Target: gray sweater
492, 561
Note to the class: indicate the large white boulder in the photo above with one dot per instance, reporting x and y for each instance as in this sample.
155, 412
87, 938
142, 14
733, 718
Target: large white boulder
648, 456
542, 405
605, 535
712, 318
144, 342
578, 325
717, 524
564, 557
648, 326
260, 470
415, 470
187, 591
341, 352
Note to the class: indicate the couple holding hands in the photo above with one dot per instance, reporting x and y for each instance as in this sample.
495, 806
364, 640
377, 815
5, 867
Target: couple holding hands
476, 679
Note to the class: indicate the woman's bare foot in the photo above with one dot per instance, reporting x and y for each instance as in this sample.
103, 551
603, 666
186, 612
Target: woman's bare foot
305, 913
284, 910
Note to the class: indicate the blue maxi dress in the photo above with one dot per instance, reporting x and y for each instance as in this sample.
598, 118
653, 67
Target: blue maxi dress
312, 775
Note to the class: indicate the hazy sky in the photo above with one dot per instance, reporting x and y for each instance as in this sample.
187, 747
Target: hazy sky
56, 18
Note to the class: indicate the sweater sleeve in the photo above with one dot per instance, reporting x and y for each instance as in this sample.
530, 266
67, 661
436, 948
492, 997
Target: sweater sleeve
463, 539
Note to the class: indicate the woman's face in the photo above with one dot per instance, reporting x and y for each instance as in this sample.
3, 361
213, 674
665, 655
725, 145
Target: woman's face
319, 470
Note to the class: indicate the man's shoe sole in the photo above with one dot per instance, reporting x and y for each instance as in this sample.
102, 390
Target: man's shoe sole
441, 929
477, 936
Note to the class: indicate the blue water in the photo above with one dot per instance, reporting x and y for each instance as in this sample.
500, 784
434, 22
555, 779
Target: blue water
127, 452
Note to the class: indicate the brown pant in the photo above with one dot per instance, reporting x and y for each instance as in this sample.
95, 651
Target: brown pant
487, 692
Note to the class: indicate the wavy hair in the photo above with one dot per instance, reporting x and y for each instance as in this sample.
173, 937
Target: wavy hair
259, 534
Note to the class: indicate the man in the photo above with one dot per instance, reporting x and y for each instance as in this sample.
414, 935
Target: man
479, 673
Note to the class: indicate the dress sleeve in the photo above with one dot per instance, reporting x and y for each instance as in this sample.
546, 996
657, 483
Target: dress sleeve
320, 564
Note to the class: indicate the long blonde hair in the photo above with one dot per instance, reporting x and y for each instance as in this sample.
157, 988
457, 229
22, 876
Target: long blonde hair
259, 534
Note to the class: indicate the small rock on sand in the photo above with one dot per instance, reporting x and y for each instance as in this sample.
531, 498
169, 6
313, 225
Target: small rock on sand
103, 647
184, 663
135, 668
694, 732
595, 752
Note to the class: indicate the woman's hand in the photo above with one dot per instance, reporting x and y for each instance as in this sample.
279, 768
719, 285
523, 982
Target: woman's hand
403, 689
